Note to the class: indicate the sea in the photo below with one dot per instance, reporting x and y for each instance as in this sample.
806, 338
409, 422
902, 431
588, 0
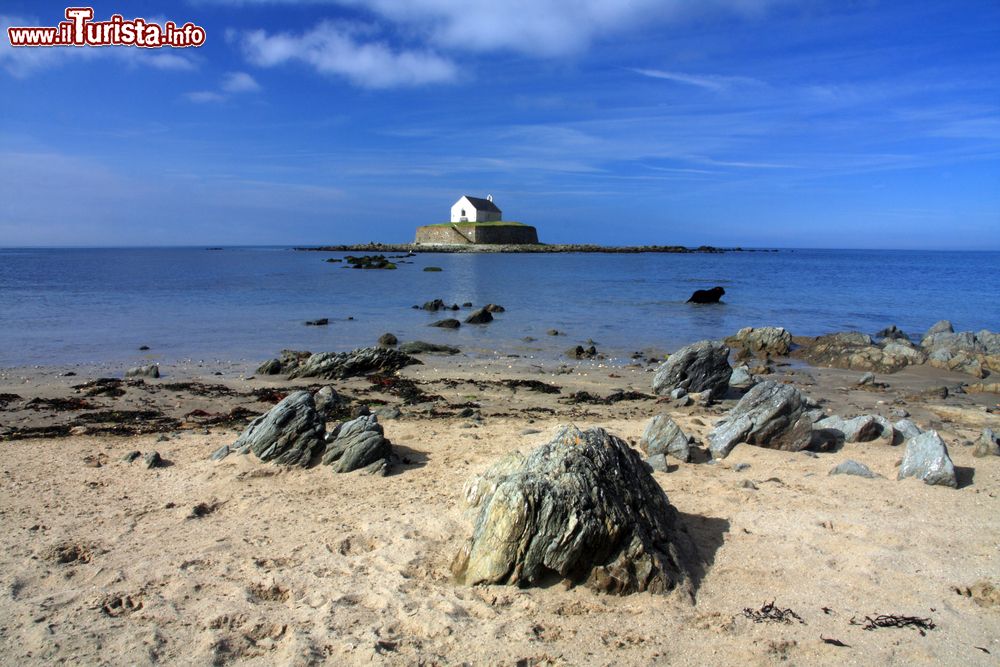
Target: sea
99, 306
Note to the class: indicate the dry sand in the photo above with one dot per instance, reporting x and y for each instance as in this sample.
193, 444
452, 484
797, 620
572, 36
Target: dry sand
244, 562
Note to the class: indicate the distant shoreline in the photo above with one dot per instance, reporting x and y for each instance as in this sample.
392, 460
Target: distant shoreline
507, 248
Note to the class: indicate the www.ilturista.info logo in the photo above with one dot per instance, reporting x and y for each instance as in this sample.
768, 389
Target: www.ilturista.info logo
80, 30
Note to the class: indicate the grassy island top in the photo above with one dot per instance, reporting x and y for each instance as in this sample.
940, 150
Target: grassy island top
491, 223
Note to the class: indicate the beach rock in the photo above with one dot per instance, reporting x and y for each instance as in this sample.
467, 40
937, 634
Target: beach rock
153, 460
270, 367
678, 392
864, 428
892, 332
388, 340
664, 436
388, 412
450, 323
770, 415
903, 430
434, 306
988, 444
741, 377
151, 371
857, 351
552, 332
850, 467
356, 444
939, 327
702, 366
581, 352
494, 308
421, 347
762, 341
867, 379
327, 400
322, 322
287, 360
290, 433
927, 459
481, 316
339, 365
707, 295
583, 508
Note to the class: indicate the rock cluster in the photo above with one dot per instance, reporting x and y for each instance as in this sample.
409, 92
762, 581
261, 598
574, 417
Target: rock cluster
337, 365
582, 508
700, 367
762, 341
293, 433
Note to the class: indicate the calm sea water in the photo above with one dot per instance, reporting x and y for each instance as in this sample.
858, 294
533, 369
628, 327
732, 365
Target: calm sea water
65, 306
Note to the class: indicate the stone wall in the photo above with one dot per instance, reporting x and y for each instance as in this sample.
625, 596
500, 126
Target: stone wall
472, 233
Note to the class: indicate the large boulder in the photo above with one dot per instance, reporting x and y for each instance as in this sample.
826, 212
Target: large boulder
290, 433
771, 415
700, 367
927, 459
582, 508
338, 365
762, 341
664, 437
359, 443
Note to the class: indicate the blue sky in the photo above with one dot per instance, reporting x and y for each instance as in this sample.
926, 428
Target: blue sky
847, 124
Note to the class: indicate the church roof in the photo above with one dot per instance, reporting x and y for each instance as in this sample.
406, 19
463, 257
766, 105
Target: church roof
482, 204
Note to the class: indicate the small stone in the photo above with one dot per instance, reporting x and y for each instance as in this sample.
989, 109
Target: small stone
449, 323
747, 484
132, 456
153, 460
927, 459
740, 467
663, 436
151, 371
850, 467
867, 379
988, 444
481, 316
387, 340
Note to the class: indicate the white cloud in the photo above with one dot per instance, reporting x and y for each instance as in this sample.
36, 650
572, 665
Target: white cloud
335, 49
240, 82
233, 83
712, 82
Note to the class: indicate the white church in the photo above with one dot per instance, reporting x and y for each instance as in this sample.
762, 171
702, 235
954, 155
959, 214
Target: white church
474, 209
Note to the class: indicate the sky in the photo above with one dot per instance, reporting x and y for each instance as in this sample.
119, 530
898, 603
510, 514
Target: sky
754, 123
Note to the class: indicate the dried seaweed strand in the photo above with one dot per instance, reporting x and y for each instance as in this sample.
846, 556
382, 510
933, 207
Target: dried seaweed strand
768, 613
895, 621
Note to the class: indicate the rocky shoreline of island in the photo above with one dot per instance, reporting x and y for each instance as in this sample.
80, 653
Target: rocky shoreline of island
523, 248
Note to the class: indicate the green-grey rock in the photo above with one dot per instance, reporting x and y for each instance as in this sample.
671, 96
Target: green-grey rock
356, 444
421, 347
927, 459
850, 467
664, 436
987, 444
701, 366
582, 508
290, 433
339, 365
771, 415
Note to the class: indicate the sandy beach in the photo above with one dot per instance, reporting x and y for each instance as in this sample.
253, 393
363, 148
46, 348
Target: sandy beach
239, 561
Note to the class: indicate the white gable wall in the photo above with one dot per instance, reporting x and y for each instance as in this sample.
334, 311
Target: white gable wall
471, 213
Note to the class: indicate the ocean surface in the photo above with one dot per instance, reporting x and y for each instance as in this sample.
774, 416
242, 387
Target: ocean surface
95, 306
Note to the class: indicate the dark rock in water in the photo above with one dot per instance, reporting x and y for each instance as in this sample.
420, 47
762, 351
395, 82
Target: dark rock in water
447, 324
494, 308
892, 332
702, 366
322, 322
481, 316
552, 332
153, 460
151, 371
432, 269
664, 436
467, 304
434, 306
582, 508
927, 459
850, 467
387, 340
771, 415
581, 352
356, 444
707, 295
132, 456
421, 347
143, 348
369, 262
988, 444
761, 341
339, 365
290, 433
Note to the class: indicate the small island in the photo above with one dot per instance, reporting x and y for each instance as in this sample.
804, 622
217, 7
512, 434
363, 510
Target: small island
476, 221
